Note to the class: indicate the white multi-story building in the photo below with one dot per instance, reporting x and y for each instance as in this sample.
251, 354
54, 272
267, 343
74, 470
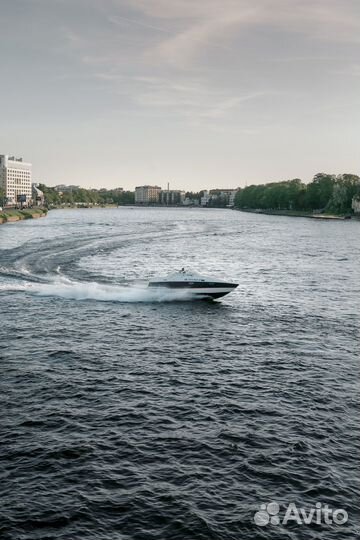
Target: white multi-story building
232, 197
147, 194
205, 199
188, 201
219, 197
15, 180
172, 197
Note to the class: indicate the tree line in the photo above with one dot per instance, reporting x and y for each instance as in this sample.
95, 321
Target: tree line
86, 196
325, 193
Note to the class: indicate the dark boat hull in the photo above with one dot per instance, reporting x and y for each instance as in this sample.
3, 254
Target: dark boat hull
197, 290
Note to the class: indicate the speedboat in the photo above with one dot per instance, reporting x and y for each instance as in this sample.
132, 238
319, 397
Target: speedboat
193, 285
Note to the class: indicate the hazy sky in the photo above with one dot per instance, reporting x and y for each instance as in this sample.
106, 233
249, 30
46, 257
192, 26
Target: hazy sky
201, 93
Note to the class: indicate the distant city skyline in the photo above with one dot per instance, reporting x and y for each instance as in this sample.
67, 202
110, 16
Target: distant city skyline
203, 94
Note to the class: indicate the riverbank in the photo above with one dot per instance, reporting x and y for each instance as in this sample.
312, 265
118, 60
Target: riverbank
10, 216
296, 213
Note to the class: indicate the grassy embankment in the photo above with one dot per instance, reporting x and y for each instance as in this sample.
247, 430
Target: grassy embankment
11, 215
297, 213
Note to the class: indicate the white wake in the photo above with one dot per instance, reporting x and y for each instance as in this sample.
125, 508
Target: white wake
74, 290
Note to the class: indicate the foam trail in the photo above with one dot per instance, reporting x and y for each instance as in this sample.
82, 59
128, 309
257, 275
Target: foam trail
73, 290
13, 286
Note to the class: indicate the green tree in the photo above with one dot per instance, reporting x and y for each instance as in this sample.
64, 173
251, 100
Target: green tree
319, 192
345, 188
52, 197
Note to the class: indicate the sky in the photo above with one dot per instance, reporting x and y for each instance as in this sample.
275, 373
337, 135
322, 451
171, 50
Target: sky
198, 93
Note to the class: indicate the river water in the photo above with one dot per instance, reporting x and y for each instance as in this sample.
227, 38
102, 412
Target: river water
131, 416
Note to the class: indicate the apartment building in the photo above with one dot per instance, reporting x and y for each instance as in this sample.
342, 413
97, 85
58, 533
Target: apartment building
147, 194
15, 180
172, 197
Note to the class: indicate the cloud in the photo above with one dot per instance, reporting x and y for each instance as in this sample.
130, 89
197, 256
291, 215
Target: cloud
189, 99
206, 58
210, 23
227, 105
120, 20
185, 34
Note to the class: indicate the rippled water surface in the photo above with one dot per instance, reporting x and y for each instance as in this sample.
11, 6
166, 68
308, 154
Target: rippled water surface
128, 415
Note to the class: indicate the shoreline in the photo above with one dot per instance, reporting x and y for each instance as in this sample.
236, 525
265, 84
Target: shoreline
12, 216
295, 213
